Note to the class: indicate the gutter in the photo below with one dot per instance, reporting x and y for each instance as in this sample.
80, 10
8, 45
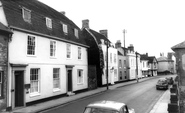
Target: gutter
48, 36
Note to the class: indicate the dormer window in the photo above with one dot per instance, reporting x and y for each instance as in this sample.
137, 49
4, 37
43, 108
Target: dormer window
48, 22
76, 33
65, 28
26, 14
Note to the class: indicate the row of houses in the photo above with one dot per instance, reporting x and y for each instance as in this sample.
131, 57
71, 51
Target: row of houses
45, 55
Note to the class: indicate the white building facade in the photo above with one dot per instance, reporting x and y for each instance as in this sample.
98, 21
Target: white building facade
46, 57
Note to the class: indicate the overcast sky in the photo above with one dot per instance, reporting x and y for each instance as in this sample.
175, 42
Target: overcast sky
153, 26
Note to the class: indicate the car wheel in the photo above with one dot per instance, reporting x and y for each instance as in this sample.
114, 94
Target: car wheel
156, 88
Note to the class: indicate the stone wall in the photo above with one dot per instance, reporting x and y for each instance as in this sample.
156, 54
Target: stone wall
3, 68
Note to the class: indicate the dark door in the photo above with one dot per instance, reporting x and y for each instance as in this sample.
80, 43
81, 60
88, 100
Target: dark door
19, 88
69, 76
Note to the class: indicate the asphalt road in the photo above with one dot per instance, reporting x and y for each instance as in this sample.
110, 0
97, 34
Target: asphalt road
141, 96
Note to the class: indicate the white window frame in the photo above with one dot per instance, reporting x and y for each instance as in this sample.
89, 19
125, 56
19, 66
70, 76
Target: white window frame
68, 51
49, 22
76, 33
33, 53
26, 14
79, 53
80, 73
37, 79
65, 29
56, 79
53, 48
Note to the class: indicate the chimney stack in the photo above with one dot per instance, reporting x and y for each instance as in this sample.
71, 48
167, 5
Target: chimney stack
85, 23
118, 44
131, 47
63, 12
104, 32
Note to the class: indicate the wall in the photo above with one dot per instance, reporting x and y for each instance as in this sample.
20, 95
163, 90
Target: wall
162, 66
3, 67
43, 61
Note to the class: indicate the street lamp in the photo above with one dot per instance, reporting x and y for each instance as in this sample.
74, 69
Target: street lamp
137, 66
107, 44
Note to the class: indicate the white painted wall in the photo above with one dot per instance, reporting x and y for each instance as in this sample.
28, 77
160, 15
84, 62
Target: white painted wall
43, 61
162, 66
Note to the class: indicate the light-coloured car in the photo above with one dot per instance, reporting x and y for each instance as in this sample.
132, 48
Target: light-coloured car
106, 106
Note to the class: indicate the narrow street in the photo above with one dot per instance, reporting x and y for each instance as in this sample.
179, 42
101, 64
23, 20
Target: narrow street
141, 96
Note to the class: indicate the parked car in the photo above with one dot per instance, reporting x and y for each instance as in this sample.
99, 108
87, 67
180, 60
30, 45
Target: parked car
106, 106
169, 80
162, 83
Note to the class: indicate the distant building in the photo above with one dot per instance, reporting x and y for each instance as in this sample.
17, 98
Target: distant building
122, 62
98, 41
165, 65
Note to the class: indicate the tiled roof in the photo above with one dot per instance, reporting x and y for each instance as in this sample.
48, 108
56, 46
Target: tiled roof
151, 59
144, 57
4, 28
119, 53
99, 36
164, 59
179, 46
39, 11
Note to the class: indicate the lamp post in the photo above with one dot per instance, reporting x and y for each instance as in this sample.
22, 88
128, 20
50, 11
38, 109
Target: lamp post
107, 44
137, 66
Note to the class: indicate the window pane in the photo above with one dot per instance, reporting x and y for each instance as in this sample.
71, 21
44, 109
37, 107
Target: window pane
34, 80
56, 78
31, 45
26, 15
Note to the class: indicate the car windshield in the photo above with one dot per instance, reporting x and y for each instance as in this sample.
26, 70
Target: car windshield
162, 81
99, 110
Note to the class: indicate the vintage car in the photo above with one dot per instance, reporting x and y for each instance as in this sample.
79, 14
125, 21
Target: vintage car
106, 106
162, 83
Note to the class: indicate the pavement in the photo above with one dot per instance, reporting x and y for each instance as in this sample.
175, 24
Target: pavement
160, 107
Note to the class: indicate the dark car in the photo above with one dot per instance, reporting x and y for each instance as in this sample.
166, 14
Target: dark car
162, 83
169, 80
106, 106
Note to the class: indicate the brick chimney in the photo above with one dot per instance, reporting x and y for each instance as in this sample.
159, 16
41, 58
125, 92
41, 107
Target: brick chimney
85, 23
118, 44
131, 47
104, 32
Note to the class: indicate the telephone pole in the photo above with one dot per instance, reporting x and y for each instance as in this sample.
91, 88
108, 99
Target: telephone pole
124, 31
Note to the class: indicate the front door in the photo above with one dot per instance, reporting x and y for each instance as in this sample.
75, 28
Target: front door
69, 80
19, 88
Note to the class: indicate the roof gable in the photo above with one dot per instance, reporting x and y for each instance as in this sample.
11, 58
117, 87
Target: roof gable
39, 11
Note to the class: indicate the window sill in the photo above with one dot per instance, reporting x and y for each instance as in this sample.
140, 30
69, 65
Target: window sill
34, 94
56, 90
31, 55
52, 57
80, 83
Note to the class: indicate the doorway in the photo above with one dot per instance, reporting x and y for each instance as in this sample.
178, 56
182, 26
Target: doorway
69, 80
19, 88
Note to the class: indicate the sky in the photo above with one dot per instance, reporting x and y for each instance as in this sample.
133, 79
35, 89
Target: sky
152, 26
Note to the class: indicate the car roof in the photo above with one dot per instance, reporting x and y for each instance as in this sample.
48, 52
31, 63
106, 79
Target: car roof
162, 79
106, 104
